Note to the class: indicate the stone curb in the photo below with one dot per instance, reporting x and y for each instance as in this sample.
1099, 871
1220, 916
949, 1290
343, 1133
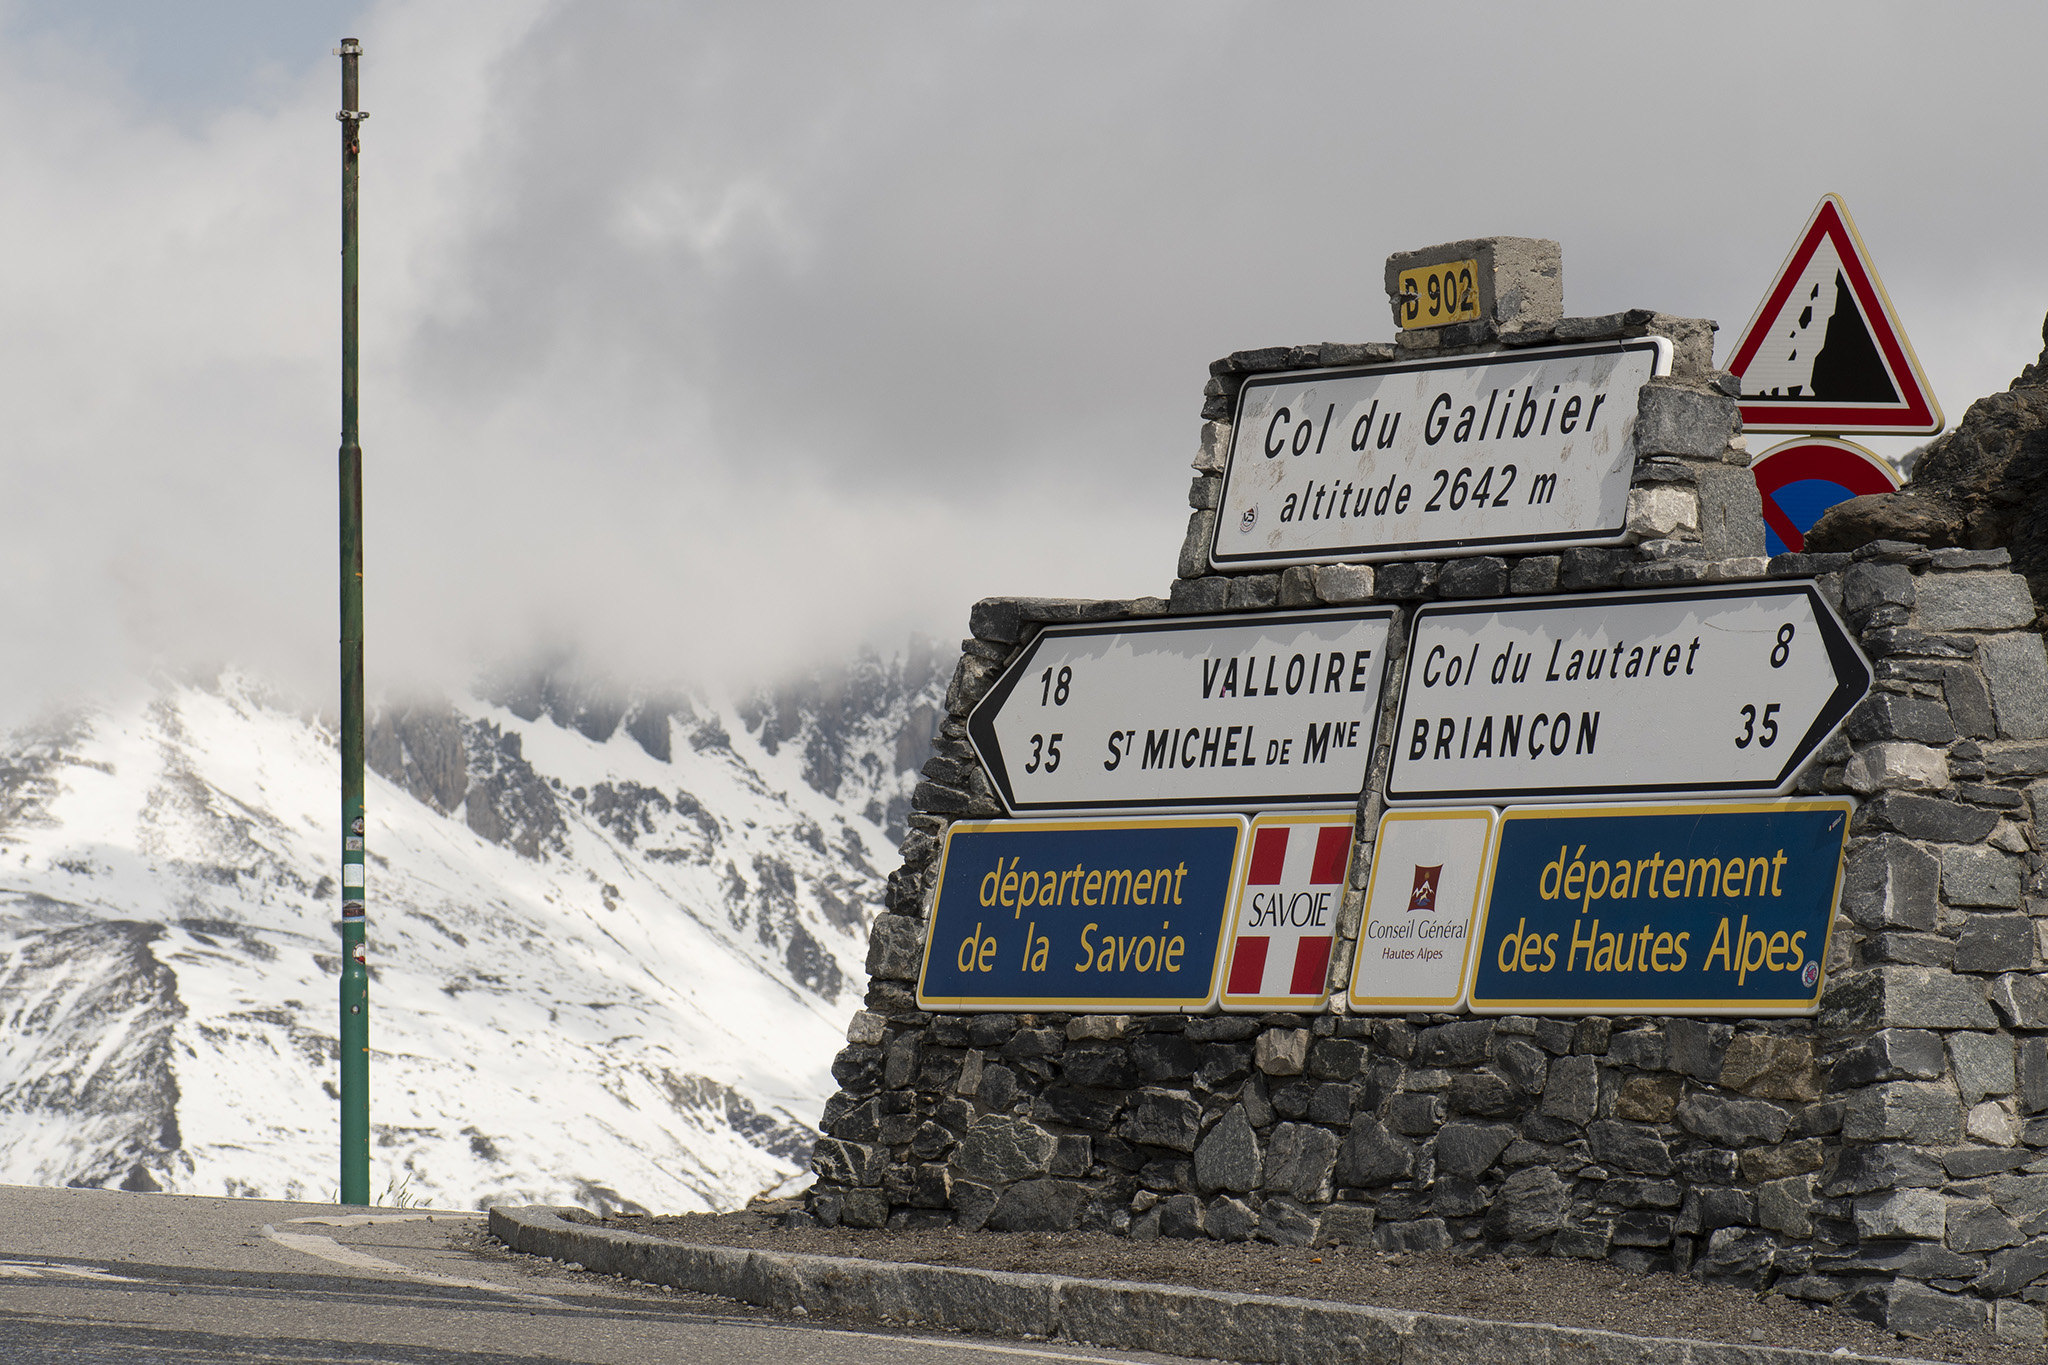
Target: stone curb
1169, 1319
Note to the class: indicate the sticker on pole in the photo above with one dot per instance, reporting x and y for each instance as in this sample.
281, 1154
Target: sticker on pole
1421, 905
1825, 351
1801, 479
1670, 909
1286, 918
1080, 914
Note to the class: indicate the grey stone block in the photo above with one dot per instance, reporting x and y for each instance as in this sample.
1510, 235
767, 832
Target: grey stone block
1584, 570
1348, 1224
1228, 1156
1697, 1047
1887, 715
1534, 574
1731, 514
1230, 1220
1977, 1225
1980, 876
1194, 549
1995, 943
1343, 584
1531, 1203
1300, 1159
1915, 1310
2032, 1075
1373, 1156
2014, 1269
1892, 1054
1039, 1206
1253, 592
2022, 1001
1198, 596
1286, 1223
1920, 1214
1771, 1067
1479, 576
1786, 1205
1298, 586
1163, 1118
1282, 1051
1908, 1111
1969, 701
1912, 950
1883, 1166
1866, 587
1183, 1216
1409, 581
2016, 667
1677, 419
1337, 1059
1643, 1048
1214, 449
1983, 1064
2018, 1322
1631, 1147
1417, 1235
1415, 1114
1905, 997
896, 947
1924, 817
1483, 1092
1971, 601
1467, 1149
1459, 1044
1074, 1155
1733, 1123
999, 1149
1573, 1090
849, 1163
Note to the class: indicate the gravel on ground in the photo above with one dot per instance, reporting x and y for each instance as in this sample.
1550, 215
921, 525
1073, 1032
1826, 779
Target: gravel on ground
1558, 1290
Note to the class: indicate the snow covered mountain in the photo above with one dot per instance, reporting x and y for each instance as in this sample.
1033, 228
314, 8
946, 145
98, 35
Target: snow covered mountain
614, 940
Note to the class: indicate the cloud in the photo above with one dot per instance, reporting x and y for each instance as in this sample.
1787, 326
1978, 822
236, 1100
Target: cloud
705, 339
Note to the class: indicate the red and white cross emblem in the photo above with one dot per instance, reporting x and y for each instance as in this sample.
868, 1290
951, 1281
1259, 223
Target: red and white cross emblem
1287, 917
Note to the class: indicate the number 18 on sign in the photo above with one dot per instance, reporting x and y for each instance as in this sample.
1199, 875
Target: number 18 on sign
1692, 691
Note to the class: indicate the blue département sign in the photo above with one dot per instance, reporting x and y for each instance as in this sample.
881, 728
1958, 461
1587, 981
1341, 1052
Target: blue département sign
1080, 914
1695, 909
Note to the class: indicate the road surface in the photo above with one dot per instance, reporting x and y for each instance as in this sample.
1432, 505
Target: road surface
105, 1276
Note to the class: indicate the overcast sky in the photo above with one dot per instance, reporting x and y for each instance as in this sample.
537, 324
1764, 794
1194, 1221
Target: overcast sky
706, 339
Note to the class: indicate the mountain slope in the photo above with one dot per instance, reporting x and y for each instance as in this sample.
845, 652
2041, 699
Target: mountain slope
613, 943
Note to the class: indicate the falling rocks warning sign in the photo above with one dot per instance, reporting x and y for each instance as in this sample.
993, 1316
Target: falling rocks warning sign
1825, 351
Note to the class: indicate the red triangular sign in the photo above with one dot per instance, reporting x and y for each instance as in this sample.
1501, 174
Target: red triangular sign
1825, 353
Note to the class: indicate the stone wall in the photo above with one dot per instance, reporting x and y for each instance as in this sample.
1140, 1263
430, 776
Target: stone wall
1889, 1155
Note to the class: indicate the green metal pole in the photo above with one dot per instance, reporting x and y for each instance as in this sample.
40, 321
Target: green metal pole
355, 976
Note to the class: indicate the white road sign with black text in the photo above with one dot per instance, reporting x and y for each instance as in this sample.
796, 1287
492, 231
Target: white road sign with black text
1188, 713
1688, 691
1516, 450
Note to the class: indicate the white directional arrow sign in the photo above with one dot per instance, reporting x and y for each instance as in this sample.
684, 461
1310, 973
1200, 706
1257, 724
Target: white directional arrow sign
1188, 713
1693, 691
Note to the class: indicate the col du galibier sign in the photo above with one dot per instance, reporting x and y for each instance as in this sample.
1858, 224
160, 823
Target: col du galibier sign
1524, 449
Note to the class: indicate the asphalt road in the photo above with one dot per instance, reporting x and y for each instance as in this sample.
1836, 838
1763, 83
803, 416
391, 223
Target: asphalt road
104, 1276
